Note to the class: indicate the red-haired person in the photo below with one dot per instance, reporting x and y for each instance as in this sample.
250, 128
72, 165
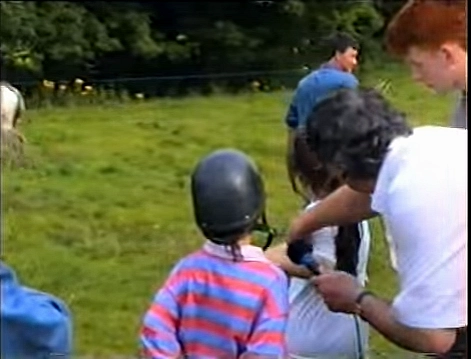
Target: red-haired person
431, 36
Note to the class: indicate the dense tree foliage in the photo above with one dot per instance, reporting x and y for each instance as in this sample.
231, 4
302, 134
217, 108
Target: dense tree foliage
97, 40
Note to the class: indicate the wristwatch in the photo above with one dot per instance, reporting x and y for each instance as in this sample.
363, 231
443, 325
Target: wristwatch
362, 295
359, 299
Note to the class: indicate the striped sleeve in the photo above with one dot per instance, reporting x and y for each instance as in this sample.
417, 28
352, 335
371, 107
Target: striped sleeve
158, 336
268, 336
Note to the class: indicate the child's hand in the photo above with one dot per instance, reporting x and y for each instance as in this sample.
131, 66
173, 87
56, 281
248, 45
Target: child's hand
277, 254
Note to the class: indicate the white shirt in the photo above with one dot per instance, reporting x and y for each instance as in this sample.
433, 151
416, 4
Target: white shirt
421, 193
312, 328
392, 250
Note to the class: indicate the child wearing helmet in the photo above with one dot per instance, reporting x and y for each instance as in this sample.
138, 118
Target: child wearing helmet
226, 300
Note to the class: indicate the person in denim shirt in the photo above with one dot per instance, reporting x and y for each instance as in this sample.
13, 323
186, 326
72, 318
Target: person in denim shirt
33, 324
333, 75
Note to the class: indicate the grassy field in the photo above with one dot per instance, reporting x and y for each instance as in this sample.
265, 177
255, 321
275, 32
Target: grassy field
103, 211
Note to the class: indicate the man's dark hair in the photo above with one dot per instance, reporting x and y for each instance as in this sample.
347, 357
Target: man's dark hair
352, 130
340, 42
321, 180
308, 171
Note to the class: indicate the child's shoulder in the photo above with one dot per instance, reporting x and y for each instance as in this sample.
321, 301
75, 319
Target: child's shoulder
251, 269
278, 272
191, 259
268, 269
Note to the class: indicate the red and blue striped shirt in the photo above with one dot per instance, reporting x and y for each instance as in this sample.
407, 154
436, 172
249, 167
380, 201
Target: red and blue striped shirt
213, 307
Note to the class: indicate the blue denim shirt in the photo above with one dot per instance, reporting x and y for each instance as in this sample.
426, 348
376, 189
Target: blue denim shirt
33, 324
313, 88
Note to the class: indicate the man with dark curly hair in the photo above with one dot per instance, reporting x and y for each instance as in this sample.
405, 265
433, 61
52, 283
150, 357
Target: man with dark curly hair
417, 180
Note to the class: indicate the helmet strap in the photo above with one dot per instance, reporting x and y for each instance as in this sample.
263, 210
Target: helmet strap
264, 227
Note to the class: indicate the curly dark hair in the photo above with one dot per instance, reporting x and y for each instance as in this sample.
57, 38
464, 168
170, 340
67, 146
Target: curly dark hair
309, 171
352, 130
321, 180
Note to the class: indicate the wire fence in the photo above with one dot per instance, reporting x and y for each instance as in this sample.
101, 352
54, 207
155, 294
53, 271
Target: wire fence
43, 93
210, 76
78, 91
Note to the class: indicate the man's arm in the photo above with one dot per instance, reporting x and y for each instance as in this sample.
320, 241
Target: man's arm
292, 116
342, 293
344, 206
378, 313
291, 134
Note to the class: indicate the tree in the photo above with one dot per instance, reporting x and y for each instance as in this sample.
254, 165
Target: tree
99, 39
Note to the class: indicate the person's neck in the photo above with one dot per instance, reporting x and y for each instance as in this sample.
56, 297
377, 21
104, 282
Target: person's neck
334, 63
466, 76
245, 240
462, 81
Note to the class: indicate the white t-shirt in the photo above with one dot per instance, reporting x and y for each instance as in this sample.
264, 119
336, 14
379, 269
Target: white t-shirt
392, 250
421, 193
312, 328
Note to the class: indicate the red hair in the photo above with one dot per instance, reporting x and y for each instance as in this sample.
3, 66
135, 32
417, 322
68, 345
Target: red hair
427, 24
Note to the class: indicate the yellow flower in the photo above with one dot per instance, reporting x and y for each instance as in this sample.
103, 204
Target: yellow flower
62, 87
255, 85
139, 96
88, 88
78, 81
48, 84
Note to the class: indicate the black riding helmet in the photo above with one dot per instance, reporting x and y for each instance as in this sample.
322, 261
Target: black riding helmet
228, 197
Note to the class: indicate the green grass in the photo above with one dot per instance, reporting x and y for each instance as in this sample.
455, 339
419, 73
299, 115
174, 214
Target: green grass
103, 212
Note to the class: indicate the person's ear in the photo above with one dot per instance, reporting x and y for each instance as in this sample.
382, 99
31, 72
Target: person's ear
449, 52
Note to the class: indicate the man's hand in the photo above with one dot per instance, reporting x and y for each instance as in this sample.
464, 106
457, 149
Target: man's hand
339, 291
